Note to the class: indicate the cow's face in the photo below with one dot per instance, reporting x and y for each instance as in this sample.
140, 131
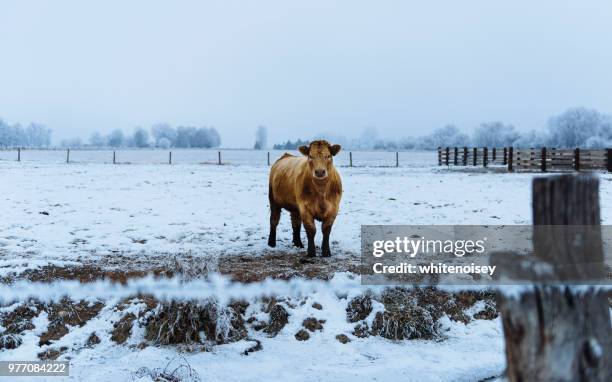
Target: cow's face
320, 154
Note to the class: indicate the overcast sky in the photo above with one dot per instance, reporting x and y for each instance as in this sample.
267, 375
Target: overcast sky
301, 67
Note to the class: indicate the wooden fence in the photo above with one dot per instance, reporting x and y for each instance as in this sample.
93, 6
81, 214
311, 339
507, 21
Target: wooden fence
552, 331
516, 159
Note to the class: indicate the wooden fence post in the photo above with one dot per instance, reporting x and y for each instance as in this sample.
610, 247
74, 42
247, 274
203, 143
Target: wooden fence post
505, 158
18, 154
351, 158
485, 156
475, 156
510, 157
68, 156
170, 157
543, 164
114, 157
560, 333
494, 154
455, 158
465, 156
219, 162
447, 155
268, 158
439, 156
577, 159
396, 159
609, 160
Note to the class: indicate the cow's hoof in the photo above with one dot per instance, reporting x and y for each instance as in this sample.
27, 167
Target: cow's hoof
312, 253
272, 243
298, 244
326, 253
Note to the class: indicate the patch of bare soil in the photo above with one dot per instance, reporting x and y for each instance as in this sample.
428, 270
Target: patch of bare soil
284, 266
64, 313
278, 319
16, 322
243, 268
123, 328
89, 273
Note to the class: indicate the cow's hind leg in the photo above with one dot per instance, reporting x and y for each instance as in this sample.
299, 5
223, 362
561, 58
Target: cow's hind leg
326, 228
275, 212
296, 223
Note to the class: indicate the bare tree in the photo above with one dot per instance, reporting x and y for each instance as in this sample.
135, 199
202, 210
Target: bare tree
494, 134
116, 138
140, 137
576, 126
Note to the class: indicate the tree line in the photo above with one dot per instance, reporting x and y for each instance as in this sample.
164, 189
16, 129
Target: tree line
576, 127
33, 135
161, 135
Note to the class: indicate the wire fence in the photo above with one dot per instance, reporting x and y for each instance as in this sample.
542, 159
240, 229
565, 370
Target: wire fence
215, 157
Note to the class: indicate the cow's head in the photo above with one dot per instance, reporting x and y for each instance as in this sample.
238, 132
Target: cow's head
320, 154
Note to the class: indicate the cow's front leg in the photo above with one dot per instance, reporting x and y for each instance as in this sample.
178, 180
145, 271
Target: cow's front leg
327, 226
310, 228
296, 224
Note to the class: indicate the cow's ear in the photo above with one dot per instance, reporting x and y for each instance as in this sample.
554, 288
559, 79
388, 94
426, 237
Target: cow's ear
334, 149
304, 150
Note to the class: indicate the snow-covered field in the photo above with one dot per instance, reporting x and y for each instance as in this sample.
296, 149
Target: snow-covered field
62, 214
65, 212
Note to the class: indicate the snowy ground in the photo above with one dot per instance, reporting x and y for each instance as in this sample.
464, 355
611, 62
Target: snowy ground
78, 213
71, 212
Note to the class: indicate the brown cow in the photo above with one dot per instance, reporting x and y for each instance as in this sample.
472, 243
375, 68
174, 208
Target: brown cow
310, 188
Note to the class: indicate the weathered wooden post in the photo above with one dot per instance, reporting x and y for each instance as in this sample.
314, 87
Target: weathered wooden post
609, 160
475, 156
560, 332
543, 164
439, 156
455, 160
268, 158
219, 162
577, 159
396, 159
510, 156
351, 159
447, 151
170, 157
465, 156
68, 156
505, 158
114, 157
485, 156
18, 154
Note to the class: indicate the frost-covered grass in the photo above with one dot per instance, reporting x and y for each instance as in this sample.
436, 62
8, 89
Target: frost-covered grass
469, 352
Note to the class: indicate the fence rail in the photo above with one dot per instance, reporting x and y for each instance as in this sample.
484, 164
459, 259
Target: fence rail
519, 159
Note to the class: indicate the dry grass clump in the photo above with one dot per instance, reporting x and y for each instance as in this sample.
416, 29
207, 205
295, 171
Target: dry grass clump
194, 322
414, 313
